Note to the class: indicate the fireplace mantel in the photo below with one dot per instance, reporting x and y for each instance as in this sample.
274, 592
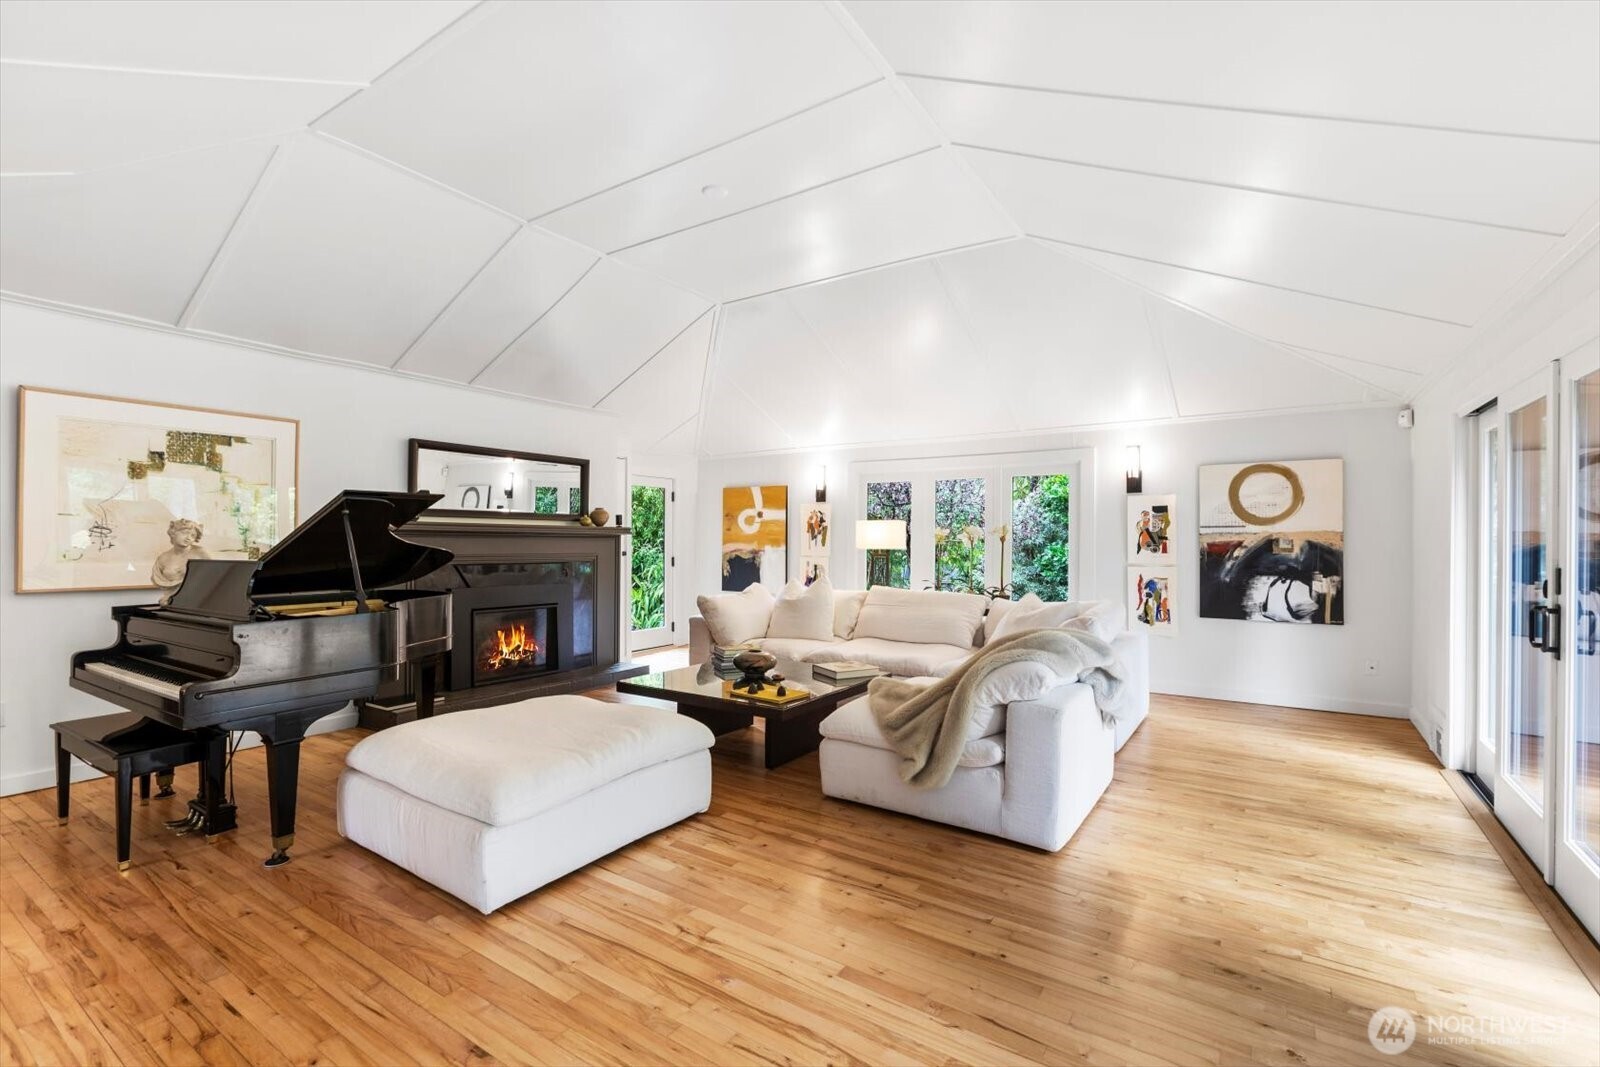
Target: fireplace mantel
490, 553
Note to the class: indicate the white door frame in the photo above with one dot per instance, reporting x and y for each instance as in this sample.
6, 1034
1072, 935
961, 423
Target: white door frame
1487, 548
1529, 817
665, 634
1575, 873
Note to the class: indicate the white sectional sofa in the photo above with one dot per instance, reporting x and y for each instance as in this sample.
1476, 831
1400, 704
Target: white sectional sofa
906, 633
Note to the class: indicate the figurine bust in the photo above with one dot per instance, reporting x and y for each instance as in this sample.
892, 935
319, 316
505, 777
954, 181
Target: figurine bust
167, 574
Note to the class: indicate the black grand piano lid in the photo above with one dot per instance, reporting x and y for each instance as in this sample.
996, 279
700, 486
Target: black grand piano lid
314, 557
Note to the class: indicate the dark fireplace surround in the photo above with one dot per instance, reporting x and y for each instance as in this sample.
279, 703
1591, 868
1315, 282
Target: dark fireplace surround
565, 574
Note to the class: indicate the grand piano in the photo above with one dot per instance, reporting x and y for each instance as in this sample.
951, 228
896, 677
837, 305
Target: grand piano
272, 645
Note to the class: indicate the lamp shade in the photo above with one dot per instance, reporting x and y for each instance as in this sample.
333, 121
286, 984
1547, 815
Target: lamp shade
874, 534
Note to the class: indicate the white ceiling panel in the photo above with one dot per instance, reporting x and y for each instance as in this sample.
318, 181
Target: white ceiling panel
1219, 371
1079, 339
1397, 383
520, 284
345, 256
682, 441
1444, 270
1493, 66
842, 137
329, 40
767, 345
600, 333
1507, 181
898, 331
1296, 319
925, 204
537, 105
136, 240
56, 119
731, 424
653, 401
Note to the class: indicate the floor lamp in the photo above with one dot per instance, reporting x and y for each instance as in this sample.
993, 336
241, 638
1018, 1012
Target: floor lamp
880, 537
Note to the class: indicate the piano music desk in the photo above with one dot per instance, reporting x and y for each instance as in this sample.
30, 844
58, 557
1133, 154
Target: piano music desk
127, 745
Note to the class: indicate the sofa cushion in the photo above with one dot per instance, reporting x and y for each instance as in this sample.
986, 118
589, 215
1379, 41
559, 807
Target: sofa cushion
803, 611
900, 658
1102, 618
854, 723
505, 764
797, 648
734, 618
926, 618
998, 609
846, 610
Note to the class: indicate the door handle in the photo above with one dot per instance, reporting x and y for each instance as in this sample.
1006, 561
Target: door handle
1587, 643
1552, 637
1537, 614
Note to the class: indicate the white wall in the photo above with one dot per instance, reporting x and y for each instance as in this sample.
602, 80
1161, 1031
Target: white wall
1560, 315
354, 425
1319, 667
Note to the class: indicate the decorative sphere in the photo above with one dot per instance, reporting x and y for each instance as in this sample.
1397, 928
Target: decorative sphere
755, 665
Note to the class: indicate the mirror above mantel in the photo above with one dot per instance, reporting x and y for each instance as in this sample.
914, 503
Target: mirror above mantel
481, 482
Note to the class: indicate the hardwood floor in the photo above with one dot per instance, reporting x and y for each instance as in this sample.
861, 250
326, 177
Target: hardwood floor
1254, 884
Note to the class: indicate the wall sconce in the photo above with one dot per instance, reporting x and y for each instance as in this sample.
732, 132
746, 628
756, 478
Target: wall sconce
1135, 472
822, 484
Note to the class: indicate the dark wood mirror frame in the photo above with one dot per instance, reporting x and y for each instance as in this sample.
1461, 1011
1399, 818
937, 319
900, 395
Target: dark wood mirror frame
418, 445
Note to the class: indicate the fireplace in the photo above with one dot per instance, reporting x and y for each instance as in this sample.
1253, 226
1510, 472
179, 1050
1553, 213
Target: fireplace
511, 643
510, 633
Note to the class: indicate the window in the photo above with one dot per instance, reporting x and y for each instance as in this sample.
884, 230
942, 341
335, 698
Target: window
892, 500
1041, 535
957, 508
959, 541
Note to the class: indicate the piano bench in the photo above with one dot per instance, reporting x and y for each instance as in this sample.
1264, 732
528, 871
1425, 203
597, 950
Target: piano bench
490, 804
124, 746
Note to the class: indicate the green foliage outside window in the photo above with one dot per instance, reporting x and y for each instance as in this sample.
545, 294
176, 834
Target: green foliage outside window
892, 500
1039, 536
958, 539
648, 517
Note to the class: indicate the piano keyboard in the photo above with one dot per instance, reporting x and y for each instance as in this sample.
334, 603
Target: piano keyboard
152, 679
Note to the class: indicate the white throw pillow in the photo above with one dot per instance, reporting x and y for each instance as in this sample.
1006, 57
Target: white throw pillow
846, 610
1031, 613
803, 611
924, 618
734, 618
1103, 618
998, 609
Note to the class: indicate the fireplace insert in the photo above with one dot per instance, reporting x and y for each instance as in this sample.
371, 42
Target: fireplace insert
512, 642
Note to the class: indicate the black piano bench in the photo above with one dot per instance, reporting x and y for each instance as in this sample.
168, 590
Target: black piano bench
124, 746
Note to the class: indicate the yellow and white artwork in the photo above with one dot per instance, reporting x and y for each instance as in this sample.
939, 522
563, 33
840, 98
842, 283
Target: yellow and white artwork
755, 536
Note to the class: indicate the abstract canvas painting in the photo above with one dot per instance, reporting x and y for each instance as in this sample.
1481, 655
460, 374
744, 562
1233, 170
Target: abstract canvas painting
755, 536
121, 494
1150, 599
818, 530
1150, 528
1272, 541
812, 568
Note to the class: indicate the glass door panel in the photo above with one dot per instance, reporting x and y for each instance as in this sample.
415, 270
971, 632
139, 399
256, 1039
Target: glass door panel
1040, 536
1491, 556
651, 562
892, 500
959, 540
1577, 858
1527, 622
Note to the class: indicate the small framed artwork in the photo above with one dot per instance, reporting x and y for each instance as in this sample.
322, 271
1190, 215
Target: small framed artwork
113, 493
1150, 599
818, 530
1150, 527
812, 568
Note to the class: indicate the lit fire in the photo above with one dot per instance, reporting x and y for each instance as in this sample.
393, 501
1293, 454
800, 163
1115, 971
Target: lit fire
511, 647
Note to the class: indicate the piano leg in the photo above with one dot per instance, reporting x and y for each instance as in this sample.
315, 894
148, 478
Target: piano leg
124, 813
218, 814
63, 781
144, 790
282, 737
427, 686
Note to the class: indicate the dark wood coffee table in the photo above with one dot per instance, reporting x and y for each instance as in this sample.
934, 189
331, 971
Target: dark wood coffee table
791, 728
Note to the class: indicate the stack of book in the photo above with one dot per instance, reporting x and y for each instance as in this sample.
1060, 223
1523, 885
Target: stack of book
722, 657
842, 671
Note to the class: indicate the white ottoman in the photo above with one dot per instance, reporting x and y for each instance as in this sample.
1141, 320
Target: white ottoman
491, 804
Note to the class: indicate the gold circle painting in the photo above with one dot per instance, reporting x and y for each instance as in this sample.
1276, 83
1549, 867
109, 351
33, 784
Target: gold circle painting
1297, 495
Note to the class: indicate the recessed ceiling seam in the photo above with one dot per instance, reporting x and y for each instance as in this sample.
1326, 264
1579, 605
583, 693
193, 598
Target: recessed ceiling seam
537, 320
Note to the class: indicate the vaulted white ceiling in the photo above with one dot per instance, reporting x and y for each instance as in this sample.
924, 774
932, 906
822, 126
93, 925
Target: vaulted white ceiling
740, 226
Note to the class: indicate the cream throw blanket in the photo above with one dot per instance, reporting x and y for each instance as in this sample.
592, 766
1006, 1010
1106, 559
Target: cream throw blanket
927, 725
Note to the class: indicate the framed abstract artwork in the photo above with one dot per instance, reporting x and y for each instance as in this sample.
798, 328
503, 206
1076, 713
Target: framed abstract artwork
114, 493
755, 536
1151, 593
1150, 527
1272, 541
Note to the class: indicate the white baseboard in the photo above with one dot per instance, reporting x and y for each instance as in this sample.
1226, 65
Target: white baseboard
1309, 702
45, 778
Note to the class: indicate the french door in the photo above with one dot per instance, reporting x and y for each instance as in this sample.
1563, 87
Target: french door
1537, 742
651, 562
